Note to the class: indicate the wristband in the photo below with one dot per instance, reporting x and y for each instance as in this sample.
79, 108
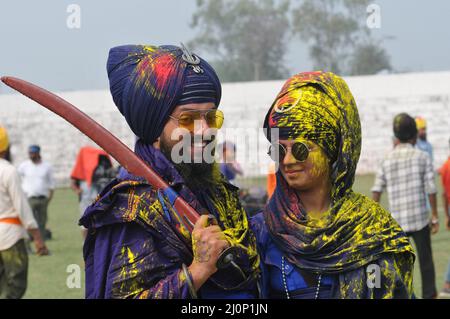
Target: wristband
189, 282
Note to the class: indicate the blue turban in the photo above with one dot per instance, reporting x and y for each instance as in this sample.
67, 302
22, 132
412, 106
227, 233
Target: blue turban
148, 82
34, 149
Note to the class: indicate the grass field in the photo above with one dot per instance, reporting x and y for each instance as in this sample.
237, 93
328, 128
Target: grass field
48, 275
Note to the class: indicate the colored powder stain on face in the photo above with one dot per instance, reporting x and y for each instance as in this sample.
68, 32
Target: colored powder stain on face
320, 162
318, 159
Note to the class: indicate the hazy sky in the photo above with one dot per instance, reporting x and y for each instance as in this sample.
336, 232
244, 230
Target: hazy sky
37, 45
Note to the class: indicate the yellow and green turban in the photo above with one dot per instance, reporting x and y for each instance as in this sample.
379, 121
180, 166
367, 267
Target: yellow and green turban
319, 107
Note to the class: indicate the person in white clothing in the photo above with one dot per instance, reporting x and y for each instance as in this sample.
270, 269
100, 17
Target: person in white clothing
38, 185
16, 218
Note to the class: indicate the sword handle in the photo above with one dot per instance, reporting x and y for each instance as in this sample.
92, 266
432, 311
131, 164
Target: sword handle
227, 258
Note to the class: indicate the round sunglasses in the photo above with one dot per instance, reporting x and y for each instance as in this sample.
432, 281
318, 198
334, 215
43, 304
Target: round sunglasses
186, 119
300, 151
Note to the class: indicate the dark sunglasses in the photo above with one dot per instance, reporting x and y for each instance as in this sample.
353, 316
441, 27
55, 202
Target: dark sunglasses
186, 119
299, 150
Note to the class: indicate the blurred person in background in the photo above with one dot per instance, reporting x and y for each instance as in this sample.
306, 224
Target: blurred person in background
422, 143
16, 218
38, 185
408, 176
92, 171
229, 166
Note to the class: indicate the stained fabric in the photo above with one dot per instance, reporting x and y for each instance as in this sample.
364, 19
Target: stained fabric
356, 231
148, 82
150, 243
393, 275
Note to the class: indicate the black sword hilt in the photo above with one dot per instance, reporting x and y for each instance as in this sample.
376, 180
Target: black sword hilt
227, 259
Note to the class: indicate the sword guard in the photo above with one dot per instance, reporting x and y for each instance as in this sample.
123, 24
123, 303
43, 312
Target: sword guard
226, 258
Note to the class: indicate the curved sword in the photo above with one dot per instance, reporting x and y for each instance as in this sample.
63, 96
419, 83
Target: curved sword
119, 151
111, 144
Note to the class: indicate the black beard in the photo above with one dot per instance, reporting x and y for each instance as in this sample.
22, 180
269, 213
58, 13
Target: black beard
195, 175
199, 175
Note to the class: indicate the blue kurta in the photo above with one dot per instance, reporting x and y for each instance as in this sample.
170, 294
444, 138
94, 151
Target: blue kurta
274, 286
303, 285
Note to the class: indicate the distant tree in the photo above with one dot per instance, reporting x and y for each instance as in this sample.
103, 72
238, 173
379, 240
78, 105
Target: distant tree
338, 36
247, 39
369, 59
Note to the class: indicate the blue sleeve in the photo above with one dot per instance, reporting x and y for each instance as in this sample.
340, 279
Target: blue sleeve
124, 261
258, 226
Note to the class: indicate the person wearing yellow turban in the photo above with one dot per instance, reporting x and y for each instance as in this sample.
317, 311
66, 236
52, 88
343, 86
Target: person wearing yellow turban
422, 143
16, 218
4, 140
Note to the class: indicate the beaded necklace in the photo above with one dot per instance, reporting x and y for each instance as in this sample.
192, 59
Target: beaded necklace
283, 274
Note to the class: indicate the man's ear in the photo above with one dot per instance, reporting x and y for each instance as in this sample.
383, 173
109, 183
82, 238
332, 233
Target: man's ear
156, 144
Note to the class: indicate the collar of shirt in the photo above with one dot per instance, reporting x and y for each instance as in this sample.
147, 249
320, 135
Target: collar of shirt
404, 145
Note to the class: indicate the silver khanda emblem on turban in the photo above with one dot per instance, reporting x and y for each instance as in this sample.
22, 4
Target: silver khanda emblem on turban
191, 59
286, 107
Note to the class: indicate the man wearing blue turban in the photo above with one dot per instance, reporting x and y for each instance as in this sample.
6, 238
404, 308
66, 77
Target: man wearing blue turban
136, 246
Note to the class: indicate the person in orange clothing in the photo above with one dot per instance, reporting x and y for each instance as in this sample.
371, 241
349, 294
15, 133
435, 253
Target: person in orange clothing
444, 171
93, 170
271, 180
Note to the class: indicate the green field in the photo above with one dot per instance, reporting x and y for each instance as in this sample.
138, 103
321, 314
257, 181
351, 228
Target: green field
48, 275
